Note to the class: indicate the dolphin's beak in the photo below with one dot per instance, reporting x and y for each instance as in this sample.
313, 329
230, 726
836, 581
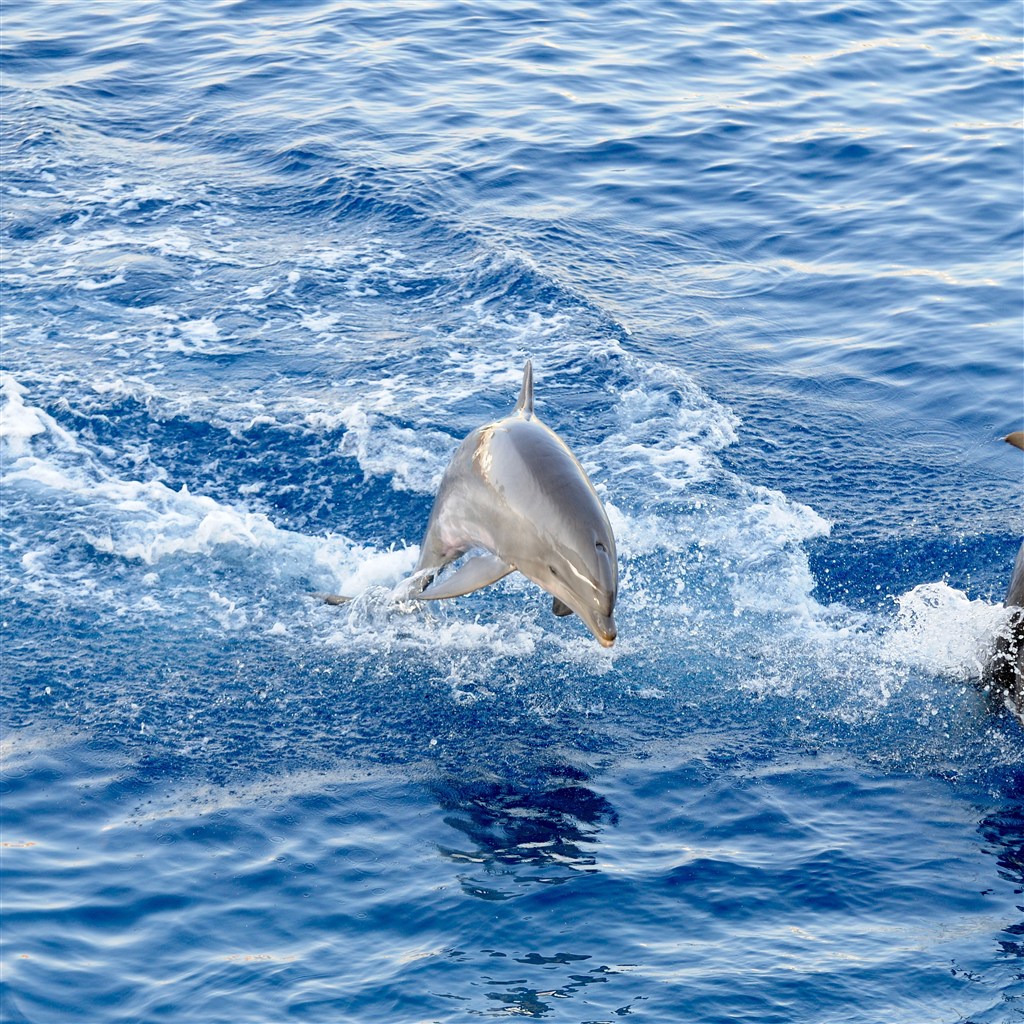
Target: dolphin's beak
603, 628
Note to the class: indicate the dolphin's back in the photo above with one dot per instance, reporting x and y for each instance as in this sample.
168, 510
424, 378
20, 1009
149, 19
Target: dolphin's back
1015, 593
527, 463
543, 487
1005, 669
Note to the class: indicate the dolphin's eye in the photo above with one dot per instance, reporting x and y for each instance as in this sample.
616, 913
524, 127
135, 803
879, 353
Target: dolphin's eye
552, 570
600, 547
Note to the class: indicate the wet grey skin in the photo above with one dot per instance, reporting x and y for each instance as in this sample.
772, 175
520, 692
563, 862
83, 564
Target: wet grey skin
1006, 666
515, 490
1015, 595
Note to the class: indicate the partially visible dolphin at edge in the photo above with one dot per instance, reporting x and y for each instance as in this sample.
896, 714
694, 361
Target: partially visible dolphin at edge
515, 490
1006, 666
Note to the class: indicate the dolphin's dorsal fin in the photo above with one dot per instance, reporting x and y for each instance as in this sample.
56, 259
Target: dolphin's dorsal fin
524, 407
1016, 439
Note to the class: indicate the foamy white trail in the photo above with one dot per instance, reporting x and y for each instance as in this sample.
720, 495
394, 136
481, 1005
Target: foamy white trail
161, 530
711, 564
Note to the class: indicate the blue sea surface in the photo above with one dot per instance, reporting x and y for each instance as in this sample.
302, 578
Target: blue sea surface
265, 263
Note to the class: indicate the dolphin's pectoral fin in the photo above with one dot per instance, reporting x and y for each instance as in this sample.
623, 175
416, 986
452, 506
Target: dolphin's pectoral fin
334, 599
560, 608
477, 573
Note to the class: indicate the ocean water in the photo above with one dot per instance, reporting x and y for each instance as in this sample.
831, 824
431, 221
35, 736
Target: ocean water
264, 265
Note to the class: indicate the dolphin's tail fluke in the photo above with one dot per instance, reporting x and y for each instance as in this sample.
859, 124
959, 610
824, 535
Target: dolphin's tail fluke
524, 407
1016, 439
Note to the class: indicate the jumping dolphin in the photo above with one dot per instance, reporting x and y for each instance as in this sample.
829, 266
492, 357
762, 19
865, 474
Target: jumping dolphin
1006, 666
515, 490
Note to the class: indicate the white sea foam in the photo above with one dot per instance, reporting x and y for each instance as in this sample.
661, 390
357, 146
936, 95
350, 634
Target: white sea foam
168, 241
667, 430
149, 523
196, 336
90, 284
941, 630
469, 645
319, 322
19, 423
413, 459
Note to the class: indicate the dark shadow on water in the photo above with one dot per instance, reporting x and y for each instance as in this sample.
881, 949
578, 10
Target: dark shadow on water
513, 836
531, 1002
1003, 833
520, 837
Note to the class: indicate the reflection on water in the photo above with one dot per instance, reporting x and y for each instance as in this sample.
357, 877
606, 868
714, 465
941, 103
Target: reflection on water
530, 1002
518, 838
1003, 833
568, 975
523, 834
